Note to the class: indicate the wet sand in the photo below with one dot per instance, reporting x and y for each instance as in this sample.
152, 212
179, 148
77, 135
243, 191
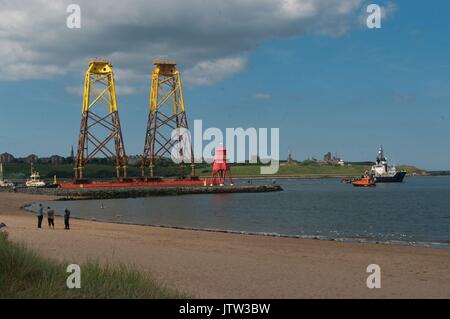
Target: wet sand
219, 265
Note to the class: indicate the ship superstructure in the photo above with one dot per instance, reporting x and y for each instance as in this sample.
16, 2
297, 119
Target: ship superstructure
383, 173
35, 179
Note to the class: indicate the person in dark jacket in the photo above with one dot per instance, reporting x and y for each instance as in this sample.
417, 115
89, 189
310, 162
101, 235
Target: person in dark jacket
51, 218
66, 218
40, 215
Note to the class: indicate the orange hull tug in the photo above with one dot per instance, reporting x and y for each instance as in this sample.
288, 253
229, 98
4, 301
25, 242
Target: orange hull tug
364, 182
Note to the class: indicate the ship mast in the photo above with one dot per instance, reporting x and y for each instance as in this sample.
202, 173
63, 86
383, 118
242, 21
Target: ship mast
380, 157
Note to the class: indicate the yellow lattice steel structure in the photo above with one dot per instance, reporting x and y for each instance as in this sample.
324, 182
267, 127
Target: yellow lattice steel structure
99, 115
167, 113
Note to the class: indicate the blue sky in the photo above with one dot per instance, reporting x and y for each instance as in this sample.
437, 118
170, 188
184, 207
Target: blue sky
345, 93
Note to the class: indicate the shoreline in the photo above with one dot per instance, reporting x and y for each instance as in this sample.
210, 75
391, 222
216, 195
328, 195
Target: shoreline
434, 245
269, 177
224, 265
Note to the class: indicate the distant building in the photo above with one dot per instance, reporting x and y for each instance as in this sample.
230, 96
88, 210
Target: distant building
31, 159
289, 159
134, 159
44, 160
7, 158
328, 157
56, 159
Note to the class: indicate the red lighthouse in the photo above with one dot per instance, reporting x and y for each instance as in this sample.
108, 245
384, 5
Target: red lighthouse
221, 167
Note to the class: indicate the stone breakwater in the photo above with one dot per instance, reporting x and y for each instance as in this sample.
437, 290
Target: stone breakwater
135, 192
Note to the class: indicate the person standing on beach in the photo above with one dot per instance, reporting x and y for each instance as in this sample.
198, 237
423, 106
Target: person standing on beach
40, 215
51, 218
66, 218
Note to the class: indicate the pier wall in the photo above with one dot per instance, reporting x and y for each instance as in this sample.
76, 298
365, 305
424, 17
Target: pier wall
135, 192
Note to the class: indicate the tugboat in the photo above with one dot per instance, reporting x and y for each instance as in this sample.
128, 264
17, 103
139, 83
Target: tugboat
34, 180
382, 173
3, 182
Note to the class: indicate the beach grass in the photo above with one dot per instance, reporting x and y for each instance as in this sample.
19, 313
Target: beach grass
26, 275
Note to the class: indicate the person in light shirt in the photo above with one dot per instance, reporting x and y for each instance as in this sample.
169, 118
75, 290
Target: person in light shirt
51, 218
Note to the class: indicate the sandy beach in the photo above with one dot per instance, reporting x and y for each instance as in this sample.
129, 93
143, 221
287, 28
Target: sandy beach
219, 265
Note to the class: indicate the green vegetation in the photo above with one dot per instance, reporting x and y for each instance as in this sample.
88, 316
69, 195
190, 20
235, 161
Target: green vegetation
309, 169
305, 170
23, 274
95, 170
168, 169
22, 170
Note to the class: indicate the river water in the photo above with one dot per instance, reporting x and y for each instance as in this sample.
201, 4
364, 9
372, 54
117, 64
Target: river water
415, 212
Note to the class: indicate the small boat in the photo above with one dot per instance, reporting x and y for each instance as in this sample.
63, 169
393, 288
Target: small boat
35, 179
364, 182
4, 183
346, 181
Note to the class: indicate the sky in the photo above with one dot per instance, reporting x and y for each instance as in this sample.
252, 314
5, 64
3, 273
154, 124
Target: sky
311, 68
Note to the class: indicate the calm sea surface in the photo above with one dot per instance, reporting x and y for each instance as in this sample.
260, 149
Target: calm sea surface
415, 212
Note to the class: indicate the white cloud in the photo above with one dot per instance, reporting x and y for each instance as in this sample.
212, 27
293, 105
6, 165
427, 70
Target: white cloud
294, 9
74, 90
120, 90
388, 10
209, 72
126, 90
262, 96
209, 39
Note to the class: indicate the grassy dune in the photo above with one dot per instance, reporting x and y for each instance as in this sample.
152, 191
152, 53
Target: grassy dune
312, 170
24, 274
304, 170
18, 170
